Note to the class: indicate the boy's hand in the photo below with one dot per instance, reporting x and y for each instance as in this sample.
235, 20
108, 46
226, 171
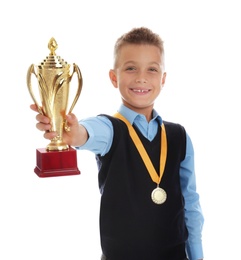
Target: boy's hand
75, 137
43, 123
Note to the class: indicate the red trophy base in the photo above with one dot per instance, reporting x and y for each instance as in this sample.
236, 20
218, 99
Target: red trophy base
56, 163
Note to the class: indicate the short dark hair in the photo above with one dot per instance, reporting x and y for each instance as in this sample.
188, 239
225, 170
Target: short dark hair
141, 35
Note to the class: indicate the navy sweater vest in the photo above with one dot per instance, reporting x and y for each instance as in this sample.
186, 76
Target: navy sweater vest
132, 226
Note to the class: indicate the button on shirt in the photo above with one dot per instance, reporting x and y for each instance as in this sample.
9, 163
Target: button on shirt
100, 133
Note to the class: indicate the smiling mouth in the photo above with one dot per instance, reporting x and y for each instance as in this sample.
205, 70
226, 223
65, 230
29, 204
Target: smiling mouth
140, 90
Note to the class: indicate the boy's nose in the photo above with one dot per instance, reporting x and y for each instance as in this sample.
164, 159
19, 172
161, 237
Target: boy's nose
141, 80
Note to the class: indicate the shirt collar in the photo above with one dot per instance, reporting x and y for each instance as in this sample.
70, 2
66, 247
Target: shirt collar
132, 116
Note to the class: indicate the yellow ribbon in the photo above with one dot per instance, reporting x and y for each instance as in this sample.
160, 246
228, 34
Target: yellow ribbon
146, 159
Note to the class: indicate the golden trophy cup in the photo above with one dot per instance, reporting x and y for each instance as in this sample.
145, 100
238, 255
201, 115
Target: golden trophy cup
54, 78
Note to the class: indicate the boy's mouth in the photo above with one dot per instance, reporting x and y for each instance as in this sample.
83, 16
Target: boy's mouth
140, 90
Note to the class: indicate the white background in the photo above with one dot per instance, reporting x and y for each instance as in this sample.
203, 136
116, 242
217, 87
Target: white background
57, 218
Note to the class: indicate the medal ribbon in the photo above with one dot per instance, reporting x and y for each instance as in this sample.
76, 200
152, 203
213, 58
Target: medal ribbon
143, 153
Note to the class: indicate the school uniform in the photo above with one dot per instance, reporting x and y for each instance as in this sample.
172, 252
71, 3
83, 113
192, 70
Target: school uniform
132, 226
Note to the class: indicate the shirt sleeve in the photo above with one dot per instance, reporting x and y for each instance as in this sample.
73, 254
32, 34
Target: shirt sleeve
100, 132
193, 212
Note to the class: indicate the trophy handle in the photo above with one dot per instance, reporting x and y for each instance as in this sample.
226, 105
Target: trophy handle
29, 73
80, 83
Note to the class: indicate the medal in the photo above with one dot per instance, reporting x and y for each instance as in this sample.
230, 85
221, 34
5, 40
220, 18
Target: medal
158, 195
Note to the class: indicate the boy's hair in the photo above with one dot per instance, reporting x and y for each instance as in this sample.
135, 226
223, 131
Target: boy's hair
140, 35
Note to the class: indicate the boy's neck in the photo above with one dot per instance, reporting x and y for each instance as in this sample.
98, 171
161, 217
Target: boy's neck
147, 112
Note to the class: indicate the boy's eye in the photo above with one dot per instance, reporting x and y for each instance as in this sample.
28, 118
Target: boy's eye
130, 68
153, 69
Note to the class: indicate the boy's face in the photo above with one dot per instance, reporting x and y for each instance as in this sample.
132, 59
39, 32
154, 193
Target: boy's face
139, 76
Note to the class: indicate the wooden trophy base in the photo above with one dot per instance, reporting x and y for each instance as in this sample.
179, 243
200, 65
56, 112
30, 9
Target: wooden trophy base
56, 163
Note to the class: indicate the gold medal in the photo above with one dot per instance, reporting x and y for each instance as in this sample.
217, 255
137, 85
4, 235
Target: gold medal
158, 195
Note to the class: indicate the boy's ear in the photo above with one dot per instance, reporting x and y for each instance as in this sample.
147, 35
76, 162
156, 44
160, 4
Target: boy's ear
164, 78
113, 78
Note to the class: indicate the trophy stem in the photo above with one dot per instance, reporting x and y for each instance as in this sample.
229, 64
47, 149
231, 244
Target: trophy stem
57, 146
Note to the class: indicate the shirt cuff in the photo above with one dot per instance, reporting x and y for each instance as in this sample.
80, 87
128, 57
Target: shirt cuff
195, 251
90, 140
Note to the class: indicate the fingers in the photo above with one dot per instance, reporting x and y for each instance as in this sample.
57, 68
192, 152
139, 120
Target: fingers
50, 135
72, 119
44, 124
34, 107
43, 127
42, 119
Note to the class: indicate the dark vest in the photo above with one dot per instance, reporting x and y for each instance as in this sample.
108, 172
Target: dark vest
132, 226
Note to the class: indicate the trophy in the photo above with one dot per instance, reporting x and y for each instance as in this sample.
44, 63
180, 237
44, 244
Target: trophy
54, 77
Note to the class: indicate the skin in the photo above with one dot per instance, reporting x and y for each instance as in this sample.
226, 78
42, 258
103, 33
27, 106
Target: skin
139, 77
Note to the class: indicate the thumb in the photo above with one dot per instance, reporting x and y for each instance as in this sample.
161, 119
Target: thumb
72, 120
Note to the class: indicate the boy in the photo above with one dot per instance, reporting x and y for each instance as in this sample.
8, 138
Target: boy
149, 208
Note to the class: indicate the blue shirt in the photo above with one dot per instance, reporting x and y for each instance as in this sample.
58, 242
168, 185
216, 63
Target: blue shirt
100, 132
